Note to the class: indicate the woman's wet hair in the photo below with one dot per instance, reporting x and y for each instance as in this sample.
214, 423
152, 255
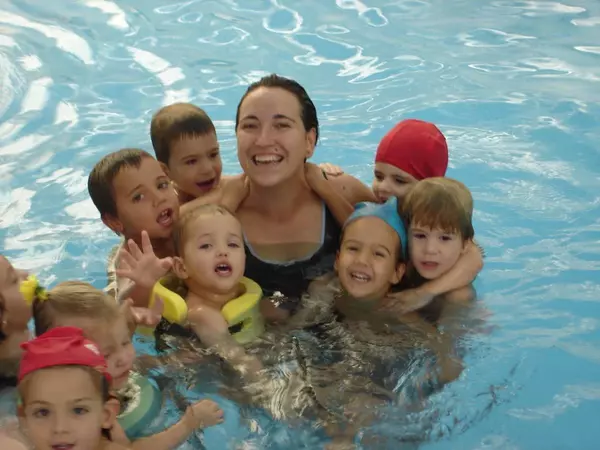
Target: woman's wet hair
308, 111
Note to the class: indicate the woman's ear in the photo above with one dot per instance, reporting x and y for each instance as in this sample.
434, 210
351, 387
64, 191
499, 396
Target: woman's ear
179, 268
311, 141
113, 223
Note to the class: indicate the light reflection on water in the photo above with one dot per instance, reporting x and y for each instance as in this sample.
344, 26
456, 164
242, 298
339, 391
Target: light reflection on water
513, 85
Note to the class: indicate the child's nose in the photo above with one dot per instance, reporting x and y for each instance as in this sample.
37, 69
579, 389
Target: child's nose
431, 246
60, 424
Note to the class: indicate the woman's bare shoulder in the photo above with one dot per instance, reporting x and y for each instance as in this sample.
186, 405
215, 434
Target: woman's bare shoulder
352, 189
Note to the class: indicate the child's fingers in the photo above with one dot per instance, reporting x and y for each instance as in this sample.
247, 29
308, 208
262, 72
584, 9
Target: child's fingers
159, 305
134, 249
126, 259
166, 263
146, 244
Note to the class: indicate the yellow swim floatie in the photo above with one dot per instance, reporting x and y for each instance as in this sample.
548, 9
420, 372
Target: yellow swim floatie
242, 313
246, 323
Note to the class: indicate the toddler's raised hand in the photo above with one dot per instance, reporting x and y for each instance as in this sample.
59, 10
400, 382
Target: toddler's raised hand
203, 414
142, 267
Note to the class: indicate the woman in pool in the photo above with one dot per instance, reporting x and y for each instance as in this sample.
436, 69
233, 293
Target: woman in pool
290, 235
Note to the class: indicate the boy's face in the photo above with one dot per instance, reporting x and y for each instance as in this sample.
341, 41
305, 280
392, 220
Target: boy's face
433, 252
213, 257
389, 181
195, 164
145, 200
114, 341
63, 410
367, 263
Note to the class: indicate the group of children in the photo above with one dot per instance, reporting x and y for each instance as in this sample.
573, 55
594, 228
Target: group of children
73, 373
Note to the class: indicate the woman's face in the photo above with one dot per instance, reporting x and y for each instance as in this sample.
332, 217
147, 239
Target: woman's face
271, 139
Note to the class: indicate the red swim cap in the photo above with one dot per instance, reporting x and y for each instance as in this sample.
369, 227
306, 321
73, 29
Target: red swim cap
61, 346
416, 147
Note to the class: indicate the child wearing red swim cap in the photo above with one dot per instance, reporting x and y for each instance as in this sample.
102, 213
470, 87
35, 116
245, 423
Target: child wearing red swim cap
64, 390
409, 152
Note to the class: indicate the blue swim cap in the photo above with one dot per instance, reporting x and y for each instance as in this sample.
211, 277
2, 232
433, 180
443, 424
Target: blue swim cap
388, 212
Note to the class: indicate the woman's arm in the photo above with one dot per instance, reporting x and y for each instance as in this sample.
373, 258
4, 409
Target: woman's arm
352, 189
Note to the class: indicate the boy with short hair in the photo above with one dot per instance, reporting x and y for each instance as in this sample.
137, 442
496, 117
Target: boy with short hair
136, 200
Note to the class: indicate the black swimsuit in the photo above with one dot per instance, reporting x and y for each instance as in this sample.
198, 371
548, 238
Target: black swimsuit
292, 278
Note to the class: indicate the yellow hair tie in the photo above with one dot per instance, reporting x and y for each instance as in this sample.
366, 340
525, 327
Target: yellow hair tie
31, 289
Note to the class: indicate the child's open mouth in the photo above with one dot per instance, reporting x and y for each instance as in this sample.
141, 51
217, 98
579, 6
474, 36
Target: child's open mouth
429, 265
63, 446
360, 277
165, 218
206, 185
223, 270
263, 160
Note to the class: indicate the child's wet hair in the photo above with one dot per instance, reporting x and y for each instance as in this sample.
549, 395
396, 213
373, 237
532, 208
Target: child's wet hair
174, 122
180, 233
400, 257
102, 176
440, 203
72, 299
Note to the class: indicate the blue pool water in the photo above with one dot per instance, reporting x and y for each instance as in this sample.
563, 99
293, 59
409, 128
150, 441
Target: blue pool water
514, 85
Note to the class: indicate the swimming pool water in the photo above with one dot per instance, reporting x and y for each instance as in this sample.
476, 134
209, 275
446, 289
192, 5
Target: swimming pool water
514, 85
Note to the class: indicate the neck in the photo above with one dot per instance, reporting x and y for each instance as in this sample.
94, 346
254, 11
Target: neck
201, 296
349, 305
281, 200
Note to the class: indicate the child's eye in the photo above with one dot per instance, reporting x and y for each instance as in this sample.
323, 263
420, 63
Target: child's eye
378, 176
163, 185
41, 413
205, 246
234, 245
447, 237
137, 197
380, 254
80, 410
399, 180
126, 343
214, 155
191, 162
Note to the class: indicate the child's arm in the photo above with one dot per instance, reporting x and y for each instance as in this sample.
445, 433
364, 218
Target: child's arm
461, 275
212, 329
338, 205
200, 415
230, 194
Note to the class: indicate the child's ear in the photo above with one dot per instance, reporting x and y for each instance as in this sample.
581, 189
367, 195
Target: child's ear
113, 223
111, 411
165, 169
398, 273
337, 258
179, 268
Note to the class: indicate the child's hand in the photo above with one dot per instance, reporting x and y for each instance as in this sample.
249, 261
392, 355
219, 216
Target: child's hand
203, 414
148, 317
406, 301
331, 169
208, 324
142, 267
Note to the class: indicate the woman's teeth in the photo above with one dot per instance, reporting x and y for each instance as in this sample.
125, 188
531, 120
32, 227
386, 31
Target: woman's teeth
267, 159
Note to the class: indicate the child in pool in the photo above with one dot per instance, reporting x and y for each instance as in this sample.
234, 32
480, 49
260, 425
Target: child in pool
439, 215
64, 390
104, 322
185, 143
210, 261
370, 261
136, 200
